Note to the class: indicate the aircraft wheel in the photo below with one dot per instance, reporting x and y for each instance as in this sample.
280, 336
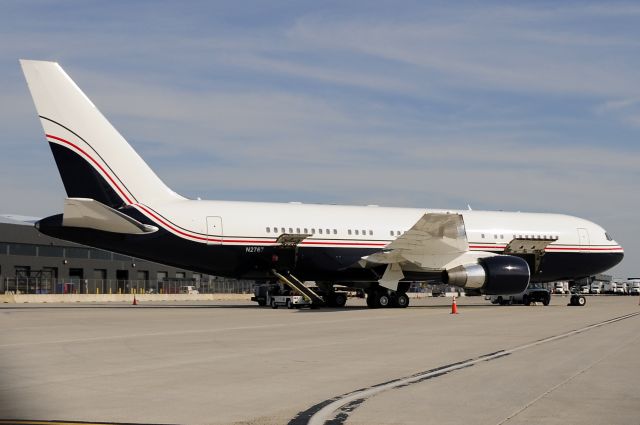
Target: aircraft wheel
581, 301
402, 301
383, 300
339, 299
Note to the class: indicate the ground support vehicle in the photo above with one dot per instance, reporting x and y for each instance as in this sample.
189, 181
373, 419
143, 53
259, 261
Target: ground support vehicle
290, 301
297, 294
560, 288
633, 286
532, 294
274, 295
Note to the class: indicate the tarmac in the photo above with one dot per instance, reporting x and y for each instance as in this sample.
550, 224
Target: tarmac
231, 362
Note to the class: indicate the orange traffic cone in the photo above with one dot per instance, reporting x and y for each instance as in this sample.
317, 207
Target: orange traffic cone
135, 302
454, 306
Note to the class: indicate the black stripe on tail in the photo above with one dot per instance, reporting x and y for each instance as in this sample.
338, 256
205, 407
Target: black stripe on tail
81, 180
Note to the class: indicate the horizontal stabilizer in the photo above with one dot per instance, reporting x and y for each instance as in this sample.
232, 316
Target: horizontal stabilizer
91, 214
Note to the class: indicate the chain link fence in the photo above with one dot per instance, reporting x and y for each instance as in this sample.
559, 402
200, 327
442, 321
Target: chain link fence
38, 285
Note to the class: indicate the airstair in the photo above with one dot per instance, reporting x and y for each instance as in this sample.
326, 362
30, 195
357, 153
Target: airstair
292, 282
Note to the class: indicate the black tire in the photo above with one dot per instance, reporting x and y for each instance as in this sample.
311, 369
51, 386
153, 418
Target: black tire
402, 301
581, 301
383, 300
339, 299
289, 304
262, 303
274, 305
526, 300
546, 300
500, 301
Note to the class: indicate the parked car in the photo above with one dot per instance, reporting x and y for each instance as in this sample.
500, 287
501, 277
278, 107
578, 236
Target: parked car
596, 288
620, 288
189, 290
534, 293
560, 288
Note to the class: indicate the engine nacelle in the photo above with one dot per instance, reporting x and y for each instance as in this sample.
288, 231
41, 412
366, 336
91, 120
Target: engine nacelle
497, 275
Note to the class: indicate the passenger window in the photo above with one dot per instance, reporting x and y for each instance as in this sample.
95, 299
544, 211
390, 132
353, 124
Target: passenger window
495, 236
328, 231
268, 229
298, 230
482, 236
364, 233
320, 231
370, 232
335, 231
357, 232
290, 229
306, 231
284, 230
391, 232
349, 231
313, 231
501, 236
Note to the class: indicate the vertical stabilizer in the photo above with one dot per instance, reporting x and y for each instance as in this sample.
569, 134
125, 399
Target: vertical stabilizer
94, 160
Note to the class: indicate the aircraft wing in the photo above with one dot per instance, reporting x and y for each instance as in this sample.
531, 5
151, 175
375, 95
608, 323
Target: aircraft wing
436, 242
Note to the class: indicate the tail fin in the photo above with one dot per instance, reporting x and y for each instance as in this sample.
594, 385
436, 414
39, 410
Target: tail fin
93, 159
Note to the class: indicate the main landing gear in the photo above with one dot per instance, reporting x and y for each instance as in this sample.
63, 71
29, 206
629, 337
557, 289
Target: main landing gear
382, 298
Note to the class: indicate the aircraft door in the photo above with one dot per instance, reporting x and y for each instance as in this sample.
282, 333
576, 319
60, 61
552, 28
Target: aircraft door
214, 230
583, 237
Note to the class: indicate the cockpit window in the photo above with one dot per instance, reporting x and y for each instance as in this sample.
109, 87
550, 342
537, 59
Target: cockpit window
608, 236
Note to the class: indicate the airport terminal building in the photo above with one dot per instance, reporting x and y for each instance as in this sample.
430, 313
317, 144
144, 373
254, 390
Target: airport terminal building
31, 262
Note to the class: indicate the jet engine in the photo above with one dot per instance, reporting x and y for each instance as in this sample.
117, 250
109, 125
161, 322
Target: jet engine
497, 275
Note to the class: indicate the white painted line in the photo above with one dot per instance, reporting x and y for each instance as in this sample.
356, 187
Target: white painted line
330, 411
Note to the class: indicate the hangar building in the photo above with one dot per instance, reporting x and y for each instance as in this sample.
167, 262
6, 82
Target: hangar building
31, 262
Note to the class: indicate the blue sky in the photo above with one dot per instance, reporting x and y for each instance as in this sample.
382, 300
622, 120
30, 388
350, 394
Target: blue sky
508, 106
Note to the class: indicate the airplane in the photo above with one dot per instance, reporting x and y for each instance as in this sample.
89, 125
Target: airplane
117, 203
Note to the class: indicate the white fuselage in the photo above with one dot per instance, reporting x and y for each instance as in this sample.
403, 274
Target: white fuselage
252, 223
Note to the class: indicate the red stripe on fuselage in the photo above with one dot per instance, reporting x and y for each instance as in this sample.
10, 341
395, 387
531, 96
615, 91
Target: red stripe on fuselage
173, 228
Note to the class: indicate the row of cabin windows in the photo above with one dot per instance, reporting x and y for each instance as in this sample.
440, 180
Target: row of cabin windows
300, 230
495, 236
305, 230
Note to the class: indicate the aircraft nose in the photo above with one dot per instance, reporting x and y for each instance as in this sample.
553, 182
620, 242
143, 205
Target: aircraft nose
616, 258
